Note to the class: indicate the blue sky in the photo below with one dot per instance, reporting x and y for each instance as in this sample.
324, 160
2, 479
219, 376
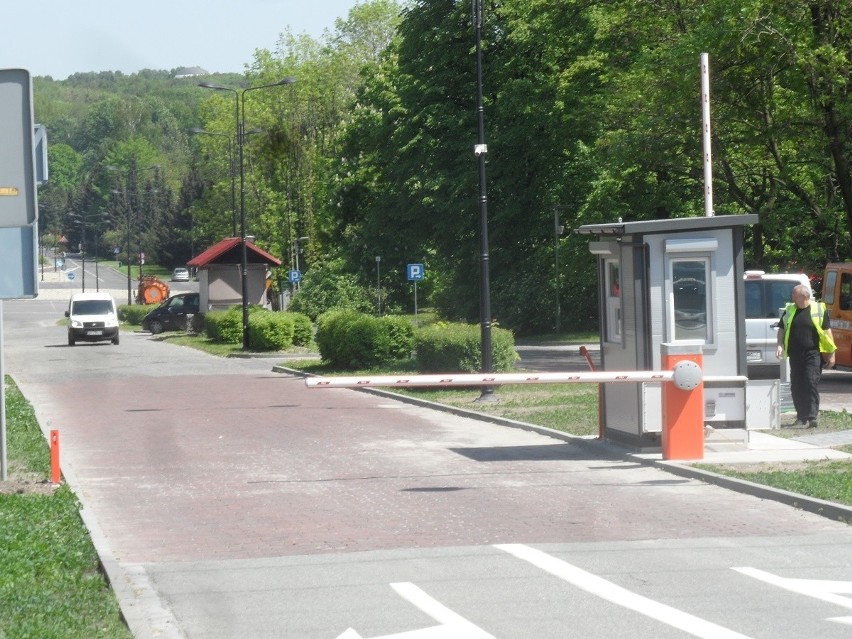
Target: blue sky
61, 37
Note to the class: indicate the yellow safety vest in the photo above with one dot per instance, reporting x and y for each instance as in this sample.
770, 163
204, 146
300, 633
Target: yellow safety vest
826, 344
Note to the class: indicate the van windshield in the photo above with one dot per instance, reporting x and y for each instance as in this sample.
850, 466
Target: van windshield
91, 307
764, 297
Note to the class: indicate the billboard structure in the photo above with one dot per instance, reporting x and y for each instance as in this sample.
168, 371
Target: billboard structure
18, 200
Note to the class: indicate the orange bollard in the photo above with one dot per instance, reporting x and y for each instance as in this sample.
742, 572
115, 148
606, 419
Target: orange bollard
683, 410
55, 474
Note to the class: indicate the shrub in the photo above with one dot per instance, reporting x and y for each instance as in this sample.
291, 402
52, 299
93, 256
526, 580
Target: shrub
456, 348
270, 331
303, 328
225, 327
136, 313
325, 287
354, 340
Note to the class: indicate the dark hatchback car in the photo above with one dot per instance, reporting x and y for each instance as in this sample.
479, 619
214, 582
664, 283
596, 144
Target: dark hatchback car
172, 315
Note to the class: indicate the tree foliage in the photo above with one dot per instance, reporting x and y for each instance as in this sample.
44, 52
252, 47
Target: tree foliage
592, 113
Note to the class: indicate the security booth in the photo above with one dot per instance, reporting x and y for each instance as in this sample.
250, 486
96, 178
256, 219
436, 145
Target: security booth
670, 282
220, 278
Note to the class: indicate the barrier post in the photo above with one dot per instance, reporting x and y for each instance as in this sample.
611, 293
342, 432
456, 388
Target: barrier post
55, 474
683, 409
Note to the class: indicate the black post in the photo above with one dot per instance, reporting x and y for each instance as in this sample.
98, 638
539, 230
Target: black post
480, 151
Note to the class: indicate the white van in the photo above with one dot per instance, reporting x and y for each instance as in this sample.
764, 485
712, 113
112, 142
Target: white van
765, 295
92, 317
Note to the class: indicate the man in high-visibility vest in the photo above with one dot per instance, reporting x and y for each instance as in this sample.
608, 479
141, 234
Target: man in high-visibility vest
805, 337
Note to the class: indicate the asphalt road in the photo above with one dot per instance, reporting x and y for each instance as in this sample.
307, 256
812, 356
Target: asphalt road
228, 501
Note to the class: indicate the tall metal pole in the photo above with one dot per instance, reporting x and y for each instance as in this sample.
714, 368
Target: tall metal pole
557, 231
378, 284
129, 300
243, 250
240, 117
707, 141
83, 251
480, 151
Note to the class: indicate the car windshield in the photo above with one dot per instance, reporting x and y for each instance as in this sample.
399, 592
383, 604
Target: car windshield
91, 307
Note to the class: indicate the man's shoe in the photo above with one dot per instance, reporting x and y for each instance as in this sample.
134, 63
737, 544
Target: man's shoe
799, 423
813, 423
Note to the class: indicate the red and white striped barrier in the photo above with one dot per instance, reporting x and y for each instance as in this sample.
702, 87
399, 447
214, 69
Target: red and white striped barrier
686, 375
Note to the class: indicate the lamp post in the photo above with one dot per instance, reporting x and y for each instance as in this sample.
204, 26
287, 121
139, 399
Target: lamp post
296, 250
232, 171
82, 219
126, 196
378, 284
240, 120
480, 150
557, 231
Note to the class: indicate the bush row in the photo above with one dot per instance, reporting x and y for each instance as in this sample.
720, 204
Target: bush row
348, 339
268, 331
134, 314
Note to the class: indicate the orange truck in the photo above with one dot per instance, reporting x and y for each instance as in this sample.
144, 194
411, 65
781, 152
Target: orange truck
837, 295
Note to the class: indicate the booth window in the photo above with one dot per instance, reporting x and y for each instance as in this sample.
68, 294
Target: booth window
690, 300
613, 301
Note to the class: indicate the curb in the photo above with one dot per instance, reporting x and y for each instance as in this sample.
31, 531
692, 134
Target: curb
827, 509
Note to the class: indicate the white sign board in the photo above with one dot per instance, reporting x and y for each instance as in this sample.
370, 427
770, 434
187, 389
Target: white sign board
18, 205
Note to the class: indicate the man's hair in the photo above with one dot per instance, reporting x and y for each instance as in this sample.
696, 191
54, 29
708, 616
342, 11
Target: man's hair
803, 290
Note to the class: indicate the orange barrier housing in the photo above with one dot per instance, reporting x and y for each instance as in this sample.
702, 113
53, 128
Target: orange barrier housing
683, 413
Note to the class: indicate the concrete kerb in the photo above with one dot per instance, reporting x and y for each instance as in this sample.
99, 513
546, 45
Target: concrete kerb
813, 505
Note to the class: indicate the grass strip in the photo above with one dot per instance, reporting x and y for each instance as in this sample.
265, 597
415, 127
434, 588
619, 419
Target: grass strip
50, 583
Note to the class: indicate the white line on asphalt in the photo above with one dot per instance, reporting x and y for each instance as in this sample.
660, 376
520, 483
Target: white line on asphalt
453, 625
825, 590
621, 596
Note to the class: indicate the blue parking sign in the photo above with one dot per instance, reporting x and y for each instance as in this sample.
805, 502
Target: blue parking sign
295, 276
415, 272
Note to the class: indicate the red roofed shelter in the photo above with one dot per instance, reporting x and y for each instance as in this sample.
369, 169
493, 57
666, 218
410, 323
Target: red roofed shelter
219, 283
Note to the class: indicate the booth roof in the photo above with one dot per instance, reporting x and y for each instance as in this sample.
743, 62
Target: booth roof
670, 225
226, 252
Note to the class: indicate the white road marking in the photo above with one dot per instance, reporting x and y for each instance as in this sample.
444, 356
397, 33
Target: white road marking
822, 589
621, 596
453, 625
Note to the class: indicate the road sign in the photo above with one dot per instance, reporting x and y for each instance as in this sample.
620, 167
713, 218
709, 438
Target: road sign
415, 272
295, 276
71, 275
18, 202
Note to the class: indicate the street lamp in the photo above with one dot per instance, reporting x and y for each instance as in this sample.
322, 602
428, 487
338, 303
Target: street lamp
296, 250
82, 219
197, 131
557, 231
378, 284
480, 150
240, 119
126, 196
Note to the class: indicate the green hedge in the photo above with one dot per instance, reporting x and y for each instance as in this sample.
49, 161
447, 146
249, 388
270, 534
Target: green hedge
134, 314
303, 328
456, 348
268, 331
353, 340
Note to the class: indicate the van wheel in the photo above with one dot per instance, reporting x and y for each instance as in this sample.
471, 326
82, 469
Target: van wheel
71, 340
115, 340
156, 327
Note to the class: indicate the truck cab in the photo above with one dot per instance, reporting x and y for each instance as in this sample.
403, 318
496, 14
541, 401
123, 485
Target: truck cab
837, 295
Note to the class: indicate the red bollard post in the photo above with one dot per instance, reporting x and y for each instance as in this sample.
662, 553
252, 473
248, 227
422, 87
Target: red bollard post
55, 474
683, 410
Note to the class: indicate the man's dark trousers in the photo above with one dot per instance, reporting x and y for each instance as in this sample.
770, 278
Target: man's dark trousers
805, 373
